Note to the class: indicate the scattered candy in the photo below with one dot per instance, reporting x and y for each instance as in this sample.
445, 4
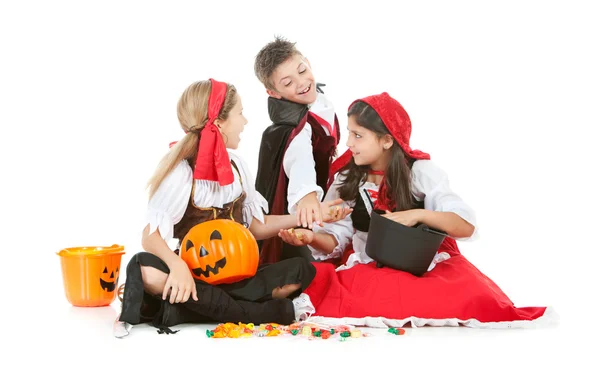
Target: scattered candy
309, 330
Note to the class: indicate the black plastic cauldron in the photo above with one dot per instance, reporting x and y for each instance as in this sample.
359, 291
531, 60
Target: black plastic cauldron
410, 249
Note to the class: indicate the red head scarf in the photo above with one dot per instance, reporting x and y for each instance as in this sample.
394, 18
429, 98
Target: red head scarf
398, 123
212, 160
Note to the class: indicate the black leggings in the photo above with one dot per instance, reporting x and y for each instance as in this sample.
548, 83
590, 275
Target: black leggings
246, 301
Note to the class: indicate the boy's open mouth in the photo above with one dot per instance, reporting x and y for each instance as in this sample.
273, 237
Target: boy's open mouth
305, 90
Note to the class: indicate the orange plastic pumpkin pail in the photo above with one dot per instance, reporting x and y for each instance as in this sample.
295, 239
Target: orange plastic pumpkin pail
91, 274
220, 251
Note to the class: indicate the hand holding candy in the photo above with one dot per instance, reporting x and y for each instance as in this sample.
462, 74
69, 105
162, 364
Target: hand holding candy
296, 237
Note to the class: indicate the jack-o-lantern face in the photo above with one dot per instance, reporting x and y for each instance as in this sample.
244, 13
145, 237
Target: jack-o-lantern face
109, 282
220, 251
91, 274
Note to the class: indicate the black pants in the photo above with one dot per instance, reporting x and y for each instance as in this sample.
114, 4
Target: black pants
247, 301
290, 251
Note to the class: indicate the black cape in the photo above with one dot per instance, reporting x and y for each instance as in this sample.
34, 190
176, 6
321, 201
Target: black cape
288, 119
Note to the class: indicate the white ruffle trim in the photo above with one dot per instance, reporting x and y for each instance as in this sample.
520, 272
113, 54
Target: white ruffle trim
255, 209
438, 258
304, 310
160, 220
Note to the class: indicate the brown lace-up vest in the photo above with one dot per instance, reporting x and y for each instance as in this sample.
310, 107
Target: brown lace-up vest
195, 215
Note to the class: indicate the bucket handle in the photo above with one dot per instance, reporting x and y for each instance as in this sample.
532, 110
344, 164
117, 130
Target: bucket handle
431, 230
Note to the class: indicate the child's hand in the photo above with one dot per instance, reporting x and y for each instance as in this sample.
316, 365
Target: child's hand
180, 284
332, 211
408, 217
309, 210
296, 237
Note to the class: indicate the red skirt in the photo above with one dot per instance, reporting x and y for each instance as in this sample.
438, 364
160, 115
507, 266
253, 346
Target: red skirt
454, 289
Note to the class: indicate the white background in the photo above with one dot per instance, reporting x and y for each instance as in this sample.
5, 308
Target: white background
503, 95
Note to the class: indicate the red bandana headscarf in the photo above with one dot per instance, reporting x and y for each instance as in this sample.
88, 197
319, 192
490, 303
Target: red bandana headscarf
398, 123
212, 160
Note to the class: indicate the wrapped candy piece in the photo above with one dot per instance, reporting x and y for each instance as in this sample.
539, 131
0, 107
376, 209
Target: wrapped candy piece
397, 331
234, 333
268, 327
219, 334
273, 333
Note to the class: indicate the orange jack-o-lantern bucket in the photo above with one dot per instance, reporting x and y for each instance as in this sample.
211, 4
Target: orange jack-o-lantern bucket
220, 251
91, 274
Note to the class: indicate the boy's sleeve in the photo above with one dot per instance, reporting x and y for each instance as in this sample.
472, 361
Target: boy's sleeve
299, 167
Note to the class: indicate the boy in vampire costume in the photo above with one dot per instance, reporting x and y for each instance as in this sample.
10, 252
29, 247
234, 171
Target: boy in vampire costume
297, 149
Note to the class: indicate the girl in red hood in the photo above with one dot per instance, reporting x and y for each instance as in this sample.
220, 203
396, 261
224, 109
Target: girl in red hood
381, 172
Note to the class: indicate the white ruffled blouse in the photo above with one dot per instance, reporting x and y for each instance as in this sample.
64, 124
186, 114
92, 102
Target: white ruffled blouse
429, 184
167, 206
